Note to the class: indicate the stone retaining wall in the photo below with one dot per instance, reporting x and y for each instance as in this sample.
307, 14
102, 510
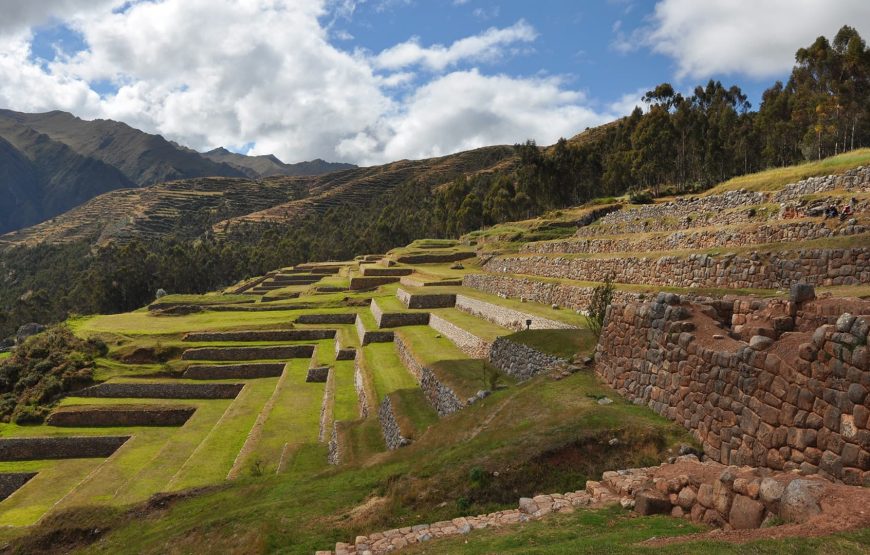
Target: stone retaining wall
343, 353
426, 300
371, 336
706, 211
79, 447
87, 417
317, 374
234, 371
467, 342
363, 282
397, 319
774, 270
390, 426
803, 408
443, 399
359, 382
702, 239
855, 180
248, 353
262, 335
520, 361
333, 453
391, 272
505, 317
337, 318
11, 481
575, 297
162, 391
434, 258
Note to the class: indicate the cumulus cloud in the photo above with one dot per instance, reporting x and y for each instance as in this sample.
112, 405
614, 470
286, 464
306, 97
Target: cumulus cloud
485, 46
208, 73
465, 110
20, 15
752, 37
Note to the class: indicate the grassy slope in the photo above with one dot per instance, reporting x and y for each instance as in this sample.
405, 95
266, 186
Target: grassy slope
775, 179
540, 435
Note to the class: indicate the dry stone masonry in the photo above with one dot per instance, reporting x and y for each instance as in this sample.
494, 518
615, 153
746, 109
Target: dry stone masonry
234, 371
505, 317
467, 342
773, 270
263, 335
802, 406
520, 361
38, 448
117, 390
443, 399
248, 353
390, 425
119, 415
10, 482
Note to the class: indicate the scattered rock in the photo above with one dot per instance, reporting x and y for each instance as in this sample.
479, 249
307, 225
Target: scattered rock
760, 342
605, 401
28, 330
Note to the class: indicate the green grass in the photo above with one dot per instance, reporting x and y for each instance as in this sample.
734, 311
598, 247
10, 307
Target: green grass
293, 421
777, 178
307, 509
387, 371
614, 530
451, 365
479, 327
5, 355
35, 498
209, 299
143, 323
213, 458
412, 411
560, 343
345, 407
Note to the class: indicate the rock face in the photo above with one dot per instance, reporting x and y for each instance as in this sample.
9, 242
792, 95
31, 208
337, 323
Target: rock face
748, 403
800, 501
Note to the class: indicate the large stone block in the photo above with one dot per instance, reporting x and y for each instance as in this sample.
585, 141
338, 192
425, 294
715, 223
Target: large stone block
745, 513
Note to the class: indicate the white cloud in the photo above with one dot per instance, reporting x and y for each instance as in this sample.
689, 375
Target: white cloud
209, 73
628, 102
753, 37
485, 46
18, 15
464, 110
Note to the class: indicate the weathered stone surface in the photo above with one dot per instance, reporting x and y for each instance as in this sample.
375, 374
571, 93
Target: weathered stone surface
800, 500
652, 503
745, 513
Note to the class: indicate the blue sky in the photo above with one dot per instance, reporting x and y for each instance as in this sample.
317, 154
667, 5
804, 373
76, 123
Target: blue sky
370, 81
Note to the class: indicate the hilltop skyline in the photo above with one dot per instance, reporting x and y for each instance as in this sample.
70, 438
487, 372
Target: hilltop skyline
368, 82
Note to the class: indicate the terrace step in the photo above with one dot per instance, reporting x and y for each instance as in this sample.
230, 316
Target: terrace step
67, 447
262, 335
123, 390
119, 415
234, 371
248, 353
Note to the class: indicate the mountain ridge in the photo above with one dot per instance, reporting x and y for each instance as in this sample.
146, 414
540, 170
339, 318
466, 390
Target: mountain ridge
53, 161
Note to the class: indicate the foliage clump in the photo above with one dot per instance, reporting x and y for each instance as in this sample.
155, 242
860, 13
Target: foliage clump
42, 370
602, 296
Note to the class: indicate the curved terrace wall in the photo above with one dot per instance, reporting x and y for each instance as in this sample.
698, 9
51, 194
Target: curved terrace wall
774, 270
802, 407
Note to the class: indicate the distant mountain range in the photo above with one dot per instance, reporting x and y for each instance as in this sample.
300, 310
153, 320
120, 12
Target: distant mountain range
52, 162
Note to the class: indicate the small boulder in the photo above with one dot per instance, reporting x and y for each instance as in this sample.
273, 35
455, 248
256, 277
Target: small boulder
800, 500
652, 503
802, 292
760, 342
770, 491
745, 513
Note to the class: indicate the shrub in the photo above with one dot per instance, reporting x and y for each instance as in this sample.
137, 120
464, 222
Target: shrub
640, 197
602, 296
